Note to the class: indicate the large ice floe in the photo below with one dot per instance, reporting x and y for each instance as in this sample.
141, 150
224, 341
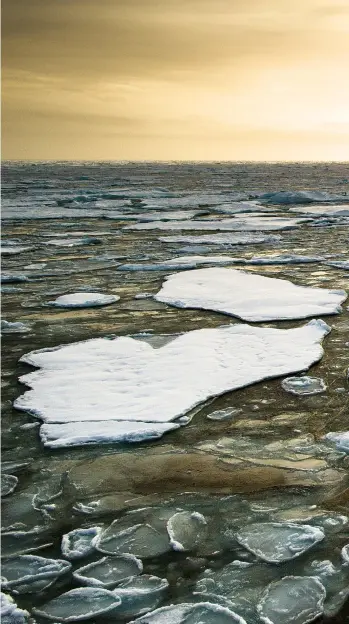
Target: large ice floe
28, 574
248, 296
10, 613
279, 542
249, 223
299, 197
293, 600
223, 239
79, 604
84, 300
109, 571
200, 613
103, 390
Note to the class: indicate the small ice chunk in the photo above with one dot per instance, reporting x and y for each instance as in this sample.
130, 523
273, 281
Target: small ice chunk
140, 594
247, 296
345, 553
16, 249
186, 529
14, 328
74, 242
28, 574
141, 540
304, 385
278, 542
9, 612
109, 571
187, 613
224, 414
78, 543
293, 600
84, 300
79, 604
8, 484
341, 440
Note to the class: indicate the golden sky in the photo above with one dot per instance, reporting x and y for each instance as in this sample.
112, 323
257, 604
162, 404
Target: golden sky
175, 79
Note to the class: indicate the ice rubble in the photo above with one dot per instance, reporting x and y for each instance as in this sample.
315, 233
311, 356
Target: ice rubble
292, 600
304, 385
8, 484
249, 223
330, 210
186, 613
341, 440
10, 613
14, 328
88, 385
28, 574
278, 542
84, 300
186, 529
299, 197
224, 239
79, 604
78, 543
248, 296
109, 571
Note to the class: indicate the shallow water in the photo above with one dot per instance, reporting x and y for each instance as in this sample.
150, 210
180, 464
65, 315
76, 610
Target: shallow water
267, 413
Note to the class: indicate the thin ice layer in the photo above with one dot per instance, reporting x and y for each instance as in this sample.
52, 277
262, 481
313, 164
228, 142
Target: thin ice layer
248, 296
128, 380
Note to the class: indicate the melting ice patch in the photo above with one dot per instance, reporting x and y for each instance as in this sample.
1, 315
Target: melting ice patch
90, 386
84, 300
278, 542
248, 296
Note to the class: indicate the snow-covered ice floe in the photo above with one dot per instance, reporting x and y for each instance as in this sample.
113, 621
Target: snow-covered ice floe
186, 613
248, 296
299, 197
101, 389
330, 210
278, 542
223, 239
79, 604
292, 600
78, 543
249, 223
10, 613
84, 300
340, 438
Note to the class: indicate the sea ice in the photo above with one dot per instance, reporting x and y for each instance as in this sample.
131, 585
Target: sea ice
181, 262
331, 210
78, 543
187, 613
339, 264
223, 239
73, 242
84, 300
345, 553
109, 571
13, 278
292, 600
248, 296
282, 259
249, 223
14, 328
304, 385
341, 440
141, 540
8, 484
298, 197
10, 613
278, 542
79, 604
140, 594
186, 529
101, 432
16, 249
126, 379
28, 574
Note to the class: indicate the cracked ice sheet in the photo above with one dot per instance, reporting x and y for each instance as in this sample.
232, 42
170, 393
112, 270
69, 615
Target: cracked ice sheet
127, 380
247, 224
247, 296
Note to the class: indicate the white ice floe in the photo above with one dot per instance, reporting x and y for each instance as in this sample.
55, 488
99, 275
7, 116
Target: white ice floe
10, 613
109, 571
101, 432
223, 239
78, 543
90, 386
12, 250
249, 223
28, 574
187, 613
339, 264
140, 540
292, 600
299, 197
182, 262
304, 385
186, 529
331, 210
282, 259
140, 594
340, 438
248, 296
242, 207
278, 542
8, 484
14, 328
73, 242
79, 604
84, 300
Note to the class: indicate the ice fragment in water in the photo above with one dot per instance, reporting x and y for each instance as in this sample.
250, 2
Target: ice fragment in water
345, 553
10, 613
293, 600
223, 239
78, 543
341, 440
249, 223
14, 328
304, 385
235, 292
84, 300
224, 414
8, 484
79, 604
298, 197
339, 264
141, 540
28, 574
186, 529
140, 594
109, 571
277, 542
186, 613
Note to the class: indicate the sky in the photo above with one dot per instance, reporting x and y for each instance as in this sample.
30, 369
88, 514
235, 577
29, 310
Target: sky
175, 80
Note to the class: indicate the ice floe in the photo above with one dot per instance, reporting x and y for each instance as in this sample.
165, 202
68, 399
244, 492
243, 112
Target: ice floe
125, 379
78, 543
345, 554
292, 600
304, 385
199, 613
13, 278
278, 542
331, 210
282, 259
84, 300
27, 574
186, 529
248, 296
140, 594
12, 250
79, 604
140, 540
10, 613
14, 328
8, 484
299, 197
242, 207
249, 223
341, 440
73, 242
223, 239
109, 571
181, 262
338, 264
